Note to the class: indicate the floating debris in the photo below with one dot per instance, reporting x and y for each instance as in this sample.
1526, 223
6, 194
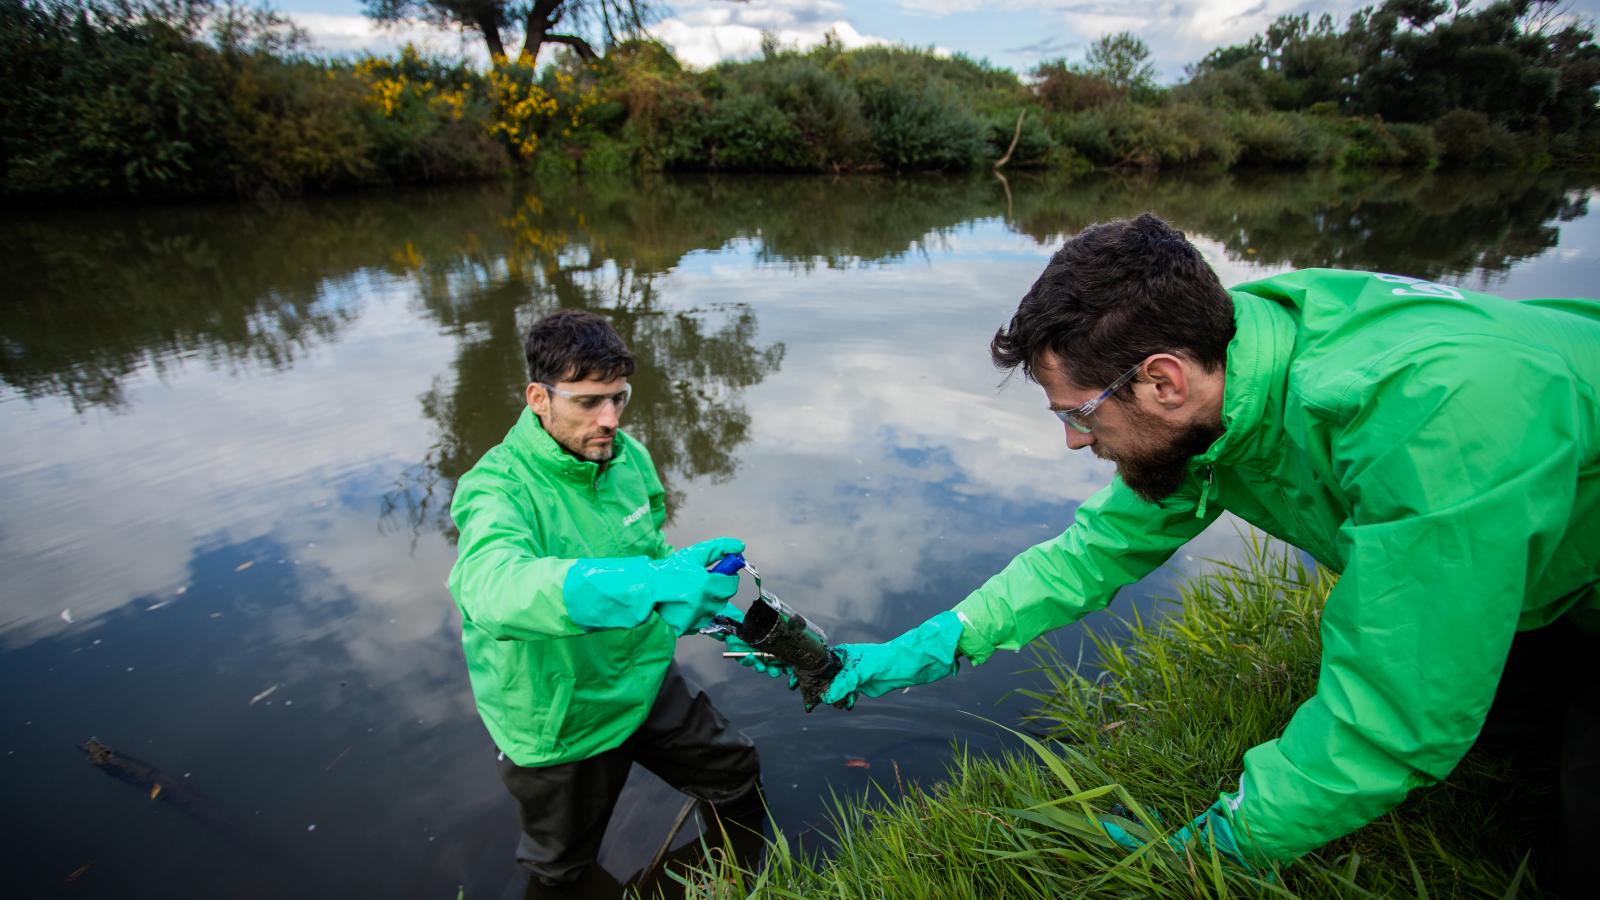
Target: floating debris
66, 616
157, 605
244, 565
263, 695
155, 791
856, 762
78, 872
329, 767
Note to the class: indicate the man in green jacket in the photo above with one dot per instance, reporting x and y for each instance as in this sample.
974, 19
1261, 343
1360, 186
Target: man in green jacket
1440, 448
572, 602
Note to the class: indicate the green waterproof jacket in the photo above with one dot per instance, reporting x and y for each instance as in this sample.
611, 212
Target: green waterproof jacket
549, 691
1440, 449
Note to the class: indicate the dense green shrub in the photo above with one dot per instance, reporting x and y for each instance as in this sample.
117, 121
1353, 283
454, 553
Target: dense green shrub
1132, 136
186, 98
824, 128
1272, 139
744, 131
921, 126
1418, 145
1368, 144
1468, 138
1034, 143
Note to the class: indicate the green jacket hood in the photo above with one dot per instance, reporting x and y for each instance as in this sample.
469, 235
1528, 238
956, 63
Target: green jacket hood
1255, 382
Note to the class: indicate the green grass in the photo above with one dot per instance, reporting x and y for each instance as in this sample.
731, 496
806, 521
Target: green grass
1153, 736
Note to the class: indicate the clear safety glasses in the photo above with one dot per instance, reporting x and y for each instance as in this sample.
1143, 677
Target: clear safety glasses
1078, 419
593, 402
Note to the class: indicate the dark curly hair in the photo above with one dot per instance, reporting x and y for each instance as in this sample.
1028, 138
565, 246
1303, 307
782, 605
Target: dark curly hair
1115, 294
574, 345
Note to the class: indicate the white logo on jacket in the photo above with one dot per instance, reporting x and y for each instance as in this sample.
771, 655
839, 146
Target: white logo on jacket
636, 515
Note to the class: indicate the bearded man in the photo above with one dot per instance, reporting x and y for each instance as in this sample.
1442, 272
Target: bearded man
1440, 448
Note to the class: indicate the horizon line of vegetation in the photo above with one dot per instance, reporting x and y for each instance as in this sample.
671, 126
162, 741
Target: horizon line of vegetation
155, 99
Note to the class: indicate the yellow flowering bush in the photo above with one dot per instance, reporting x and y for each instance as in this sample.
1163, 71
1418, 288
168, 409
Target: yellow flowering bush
521, 107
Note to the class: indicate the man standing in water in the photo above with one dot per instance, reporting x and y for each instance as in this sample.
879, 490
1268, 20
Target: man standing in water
571, 604
1439, 448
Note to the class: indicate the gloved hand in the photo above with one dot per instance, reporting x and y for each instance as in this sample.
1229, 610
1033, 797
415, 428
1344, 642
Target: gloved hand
753, 659
621, 593
924, 654
1116, 826
1211, 826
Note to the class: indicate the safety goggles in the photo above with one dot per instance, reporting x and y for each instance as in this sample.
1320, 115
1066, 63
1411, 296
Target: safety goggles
1078, 418
593, 402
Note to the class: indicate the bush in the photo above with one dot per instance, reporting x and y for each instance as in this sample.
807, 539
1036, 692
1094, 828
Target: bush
1231, 88
1271, 139
188, 99
118, 102
1034, 144
825, 114
1418, 146
921, 126
1132, 136
1369, 144
1467, 138
745, 132
1201, 137
1061, 88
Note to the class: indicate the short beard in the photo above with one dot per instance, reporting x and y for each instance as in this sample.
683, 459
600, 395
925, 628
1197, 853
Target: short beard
1158, 474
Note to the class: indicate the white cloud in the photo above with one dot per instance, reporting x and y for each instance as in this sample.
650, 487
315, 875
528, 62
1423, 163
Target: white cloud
705, 32
1179, 32
354, 35
700, 32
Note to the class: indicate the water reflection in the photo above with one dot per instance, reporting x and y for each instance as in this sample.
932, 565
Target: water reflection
692, 363
1429, 225
228, 437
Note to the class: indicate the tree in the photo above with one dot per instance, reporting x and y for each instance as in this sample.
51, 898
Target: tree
536, 20
1122, 59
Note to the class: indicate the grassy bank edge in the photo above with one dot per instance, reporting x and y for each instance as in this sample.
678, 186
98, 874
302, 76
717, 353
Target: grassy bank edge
1153, 737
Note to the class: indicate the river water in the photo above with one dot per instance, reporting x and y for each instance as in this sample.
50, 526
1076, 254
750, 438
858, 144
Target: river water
229, 436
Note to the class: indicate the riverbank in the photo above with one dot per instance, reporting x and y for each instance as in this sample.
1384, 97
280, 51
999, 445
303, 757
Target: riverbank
229, 103
1155, 738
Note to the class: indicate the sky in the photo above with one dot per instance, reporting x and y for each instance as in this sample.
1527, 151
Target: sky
1016, 34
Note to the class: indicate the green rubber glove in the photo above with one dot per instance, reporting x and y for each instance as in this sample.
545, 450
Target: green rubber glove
621, 593
753, 658
924, 654
1211, 827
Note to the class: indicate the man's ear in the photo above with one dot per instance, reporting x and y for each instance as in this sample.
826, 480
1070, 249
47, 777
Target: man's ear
538, 399
1169, 376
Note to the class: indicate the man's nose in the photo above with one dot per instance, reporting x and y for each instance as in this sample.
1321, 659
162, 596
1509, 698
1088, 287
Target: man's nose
1077, 440
609, 415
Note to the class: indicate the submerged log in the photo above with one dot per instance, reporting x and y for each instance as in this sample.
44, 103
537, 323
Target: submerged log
157, 784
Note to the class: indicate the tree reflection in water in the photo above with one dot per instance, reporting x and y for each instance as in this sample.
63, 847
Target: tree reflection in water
561, 250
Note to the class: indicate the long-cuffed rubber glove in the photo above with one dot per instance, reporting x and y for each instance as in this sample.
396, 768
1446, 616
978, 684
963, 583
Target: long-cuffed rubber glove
621, 593
1211, 827
753, 658
924, 654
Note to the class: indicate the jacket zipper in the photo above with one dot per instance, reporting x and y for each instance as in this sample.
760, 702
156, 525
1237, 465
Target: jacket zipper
1205, 493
